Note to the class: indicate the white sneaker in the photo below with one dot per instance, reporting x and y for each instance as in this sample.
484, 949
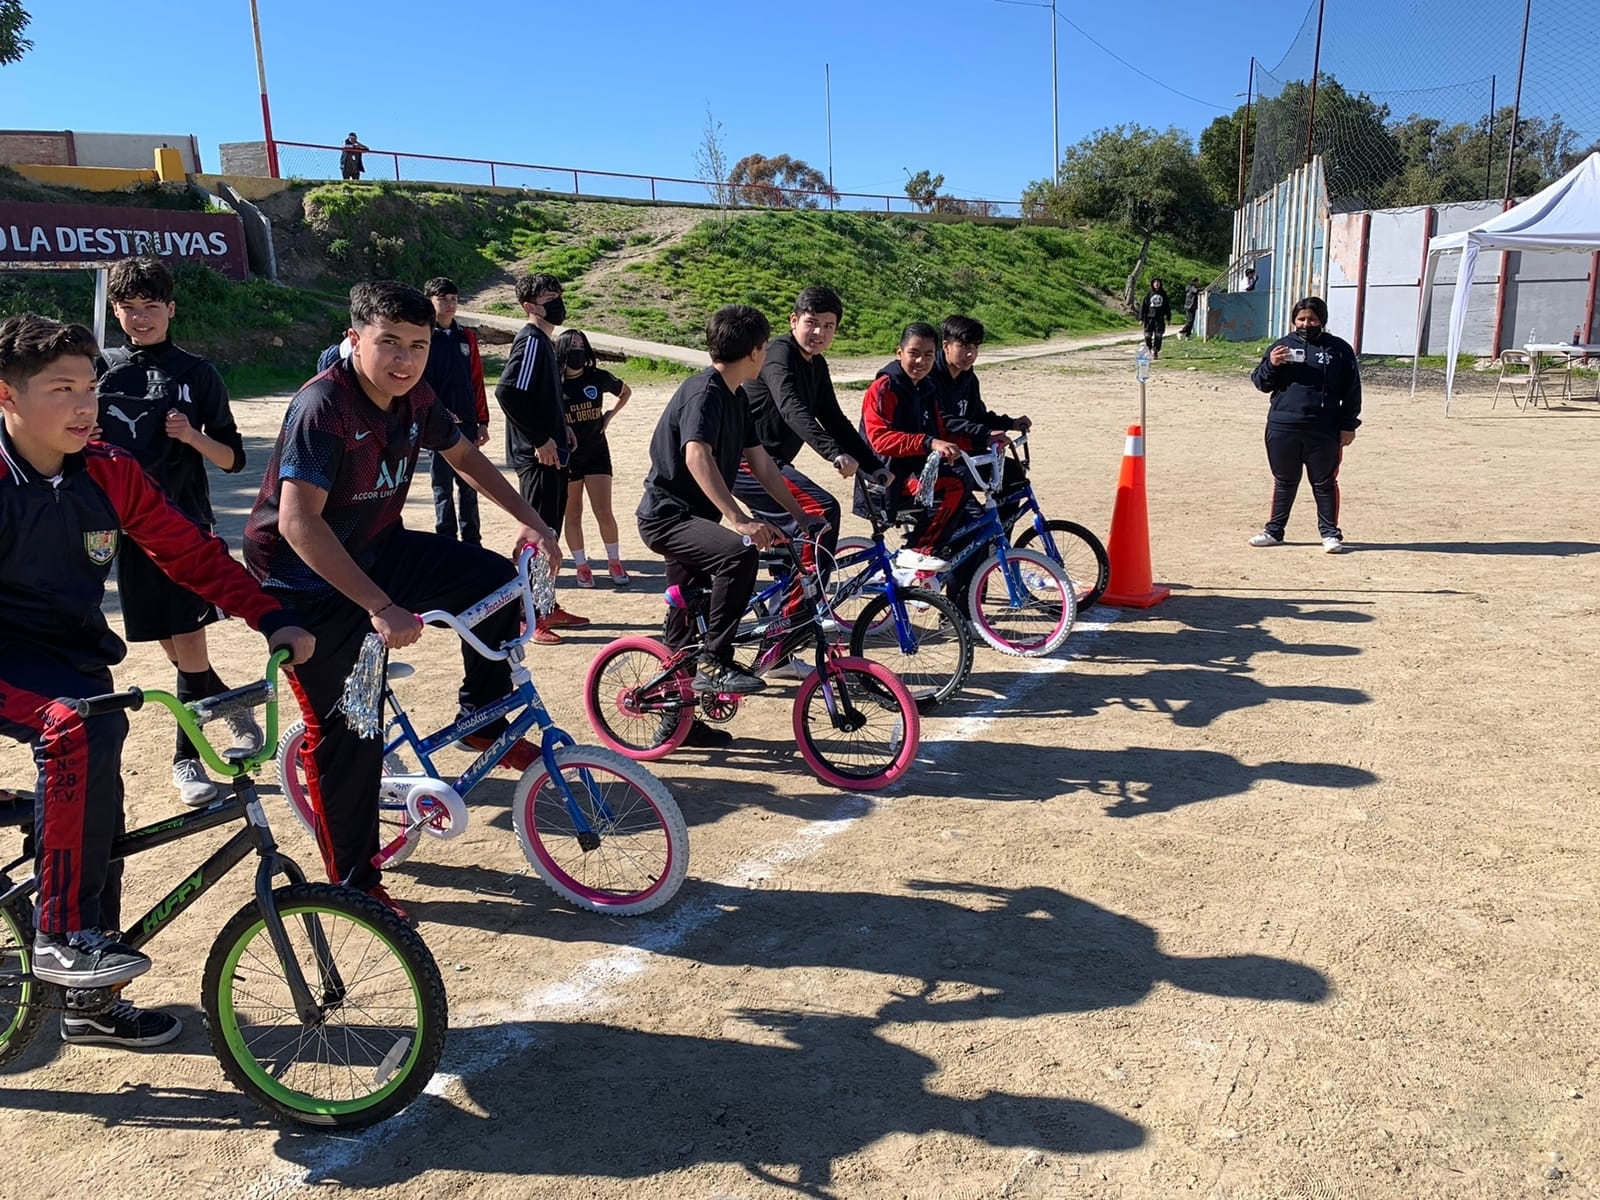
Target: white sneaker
247, 735
1332, 545
1265, 539
797, 669
194, 787
915, 560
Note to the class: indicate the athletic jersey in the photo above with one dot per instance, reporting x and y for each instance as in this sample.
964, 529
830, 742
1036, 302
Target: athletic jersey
138, 386
335, 438
585, 400
529, 393
59, 535
701, 410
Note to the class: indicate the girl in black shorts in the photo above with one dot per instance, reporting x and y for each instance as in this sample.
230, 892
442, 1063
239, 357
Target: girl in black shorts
585, 387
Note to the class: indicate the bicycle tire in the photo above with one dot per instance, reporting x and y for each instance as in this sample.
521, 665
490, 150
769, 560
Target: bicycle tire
642, 855
873, 690
23, 1000
357, 930
1039, 623
933, 679
639, 727
1080, 554
292, 783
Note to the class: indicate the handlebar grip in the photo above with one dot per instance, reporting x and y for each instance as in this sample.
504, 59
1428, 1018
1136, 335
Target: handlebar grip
131, 700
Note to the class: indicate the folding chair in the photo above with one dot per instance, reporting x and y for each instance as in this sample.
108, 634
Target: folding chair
1519, 372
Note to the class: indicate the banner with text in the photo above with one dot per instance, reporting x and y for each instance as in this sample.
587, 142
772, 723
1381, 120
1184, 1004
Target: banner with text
97, 235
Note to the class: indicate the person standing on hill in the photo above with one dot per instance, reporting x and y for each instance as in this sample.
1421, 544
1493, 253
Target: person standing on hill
1153, 314
351, 165
1315, 381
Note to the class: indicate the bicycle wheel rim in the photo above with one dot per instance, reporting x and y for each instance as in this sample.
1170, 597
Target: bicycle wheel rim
18, 996
872, 756
380, 1046
1042, 615
392, 818
636, 865
1079, 553
631, 720
941, 650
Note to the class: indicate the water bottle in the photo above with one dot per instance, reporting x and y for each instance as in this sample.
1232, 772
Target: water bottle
1532, 337
1141, 364
1577, 335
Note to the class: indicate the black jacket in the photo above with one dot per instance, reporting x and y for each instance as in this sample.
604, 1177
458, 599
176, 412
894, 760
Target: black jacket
58, 538
1323, 392
792, 402
966, 416
1155, 312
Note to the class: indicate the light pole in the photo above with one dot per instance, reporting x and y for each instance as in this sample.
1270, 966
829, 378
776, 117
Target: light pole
261, 77
1055, 84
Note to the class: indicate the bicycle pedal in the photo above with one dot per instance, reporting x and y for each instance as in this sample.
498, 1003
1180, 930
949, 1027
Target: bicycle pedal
90, 1001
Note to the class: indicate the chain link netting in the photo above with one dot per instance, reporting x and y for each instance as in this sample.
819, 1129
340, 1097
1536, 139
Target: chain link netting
1414, 100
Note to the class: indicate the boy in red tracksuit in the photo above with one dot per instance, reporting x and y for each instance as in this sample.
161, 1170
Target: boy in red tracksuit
65, 505
901, 421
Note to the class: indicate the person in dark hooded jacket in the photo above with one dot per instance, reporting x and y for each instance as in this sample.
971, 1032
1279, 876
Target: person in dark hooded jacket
1153, 315
1315, 382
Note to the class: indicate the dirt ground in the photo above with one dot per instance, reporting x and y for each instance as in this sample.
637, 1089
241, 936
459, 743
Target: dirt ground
1284, 888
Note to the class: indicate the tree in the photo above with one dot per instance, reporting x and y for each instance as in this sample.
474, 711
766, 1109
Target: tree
923, 189
711, 162
1140, 180
1218, 156
1359, 154
780, 182
13, 20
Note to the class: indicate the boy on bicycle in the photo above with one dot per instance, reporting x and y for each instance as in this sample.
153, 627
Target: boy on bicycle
66, 504
969, 420
326, 535
695, 452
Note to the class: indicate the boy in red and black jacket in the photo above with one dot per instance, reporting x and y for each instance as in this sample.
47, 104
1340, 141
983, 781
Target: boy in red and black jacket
65, 504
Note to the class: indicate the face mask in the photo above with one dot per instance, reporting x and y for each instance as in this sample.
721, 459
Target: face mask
577, 359
555, 311
1312, 334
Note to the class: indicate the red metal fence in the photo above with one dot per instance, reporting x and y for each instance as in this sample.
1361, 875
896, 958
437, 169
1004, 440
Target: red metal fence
308, 160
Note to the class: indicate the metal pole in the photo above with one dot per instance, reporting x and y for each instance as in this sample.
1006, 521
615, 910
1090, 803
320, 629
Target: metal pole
101, 276
1488, 158
827, 96
1055, 97
261, 78
1244, 128
1516, 105
1316, 68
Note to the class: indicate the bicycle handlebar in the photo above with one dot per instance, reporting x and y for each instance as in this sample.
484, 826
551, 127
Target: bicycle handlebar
131, 700
461, 624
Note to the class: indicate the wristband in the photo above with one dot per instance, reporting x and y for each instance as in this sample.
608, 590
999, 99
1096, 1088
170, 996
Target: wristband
375, 611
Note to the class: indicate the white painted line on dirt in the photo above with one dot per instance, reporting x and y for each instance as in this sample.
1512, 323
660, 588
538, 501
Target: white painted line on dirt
592, 987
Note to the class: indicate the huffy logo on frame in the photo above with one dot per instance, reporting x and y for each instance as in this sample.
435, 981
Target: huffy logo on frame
100, 545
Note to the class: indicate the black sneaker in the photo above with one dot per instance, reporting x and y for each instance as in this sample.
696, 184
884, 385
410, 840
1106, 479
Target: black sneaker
121, 1025
714, 676
88, 959
707, 737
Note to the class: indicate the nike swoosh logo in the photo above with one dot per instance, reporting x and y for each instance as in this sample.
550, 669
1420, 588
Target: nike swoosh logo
359, 436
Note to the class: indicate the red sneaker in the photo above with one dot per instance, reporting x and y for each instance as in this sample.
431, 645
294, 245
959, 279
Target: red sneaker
381, 894
619, 575
560, 618
522, 755
584, 574
543, 635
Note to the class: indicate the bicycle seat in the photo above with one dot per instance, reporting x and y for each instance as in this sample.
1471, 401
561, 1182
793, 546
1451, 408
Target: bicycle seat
686, 598
400, 670
16, 808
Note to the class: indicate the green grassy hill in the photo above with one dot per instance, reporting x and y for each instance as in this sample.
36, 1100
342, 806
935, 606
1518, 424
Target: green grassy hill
644, 271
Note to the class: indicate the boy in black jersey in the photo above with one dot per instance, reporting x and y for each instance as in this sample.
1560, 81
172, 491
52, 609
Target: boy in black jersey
695, 453
585, 387
169, 409
326, 536
538, 439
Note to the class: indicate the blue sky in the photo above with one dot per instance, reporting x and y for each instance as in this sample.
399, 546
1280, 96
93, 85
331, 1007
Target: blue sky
958, 86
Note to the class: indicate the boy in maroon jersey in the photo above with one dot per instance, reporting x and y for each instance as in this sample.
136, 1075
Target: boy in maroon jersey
326, 535
65, 505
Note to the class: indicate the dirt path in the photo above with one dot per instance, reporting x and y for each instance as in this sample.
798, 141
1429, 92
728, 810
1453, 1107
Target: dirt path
1285, 888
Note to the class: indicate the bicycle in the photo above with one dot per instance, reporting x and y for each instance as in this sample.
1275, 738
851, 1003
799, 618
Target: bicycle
1072, 546
1020, 601
854, 722
320, 1003
599, 830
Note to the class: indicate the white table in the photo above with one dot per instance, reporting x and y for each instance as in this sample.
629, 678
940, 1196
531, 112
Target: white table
1567, 352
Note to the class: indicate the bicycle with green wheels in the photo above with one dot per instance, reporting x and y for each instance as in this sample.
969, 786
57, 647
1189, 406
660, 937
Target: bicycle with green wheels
320, 1003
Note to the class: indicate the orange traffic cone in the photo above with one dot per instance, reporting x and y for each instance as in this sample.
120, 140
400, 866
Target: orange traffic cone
1131, 585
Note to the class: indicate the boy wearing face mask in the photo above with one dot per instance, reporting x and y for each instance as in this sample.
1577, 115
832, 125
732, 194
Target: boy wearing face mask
538, 439
1315, 382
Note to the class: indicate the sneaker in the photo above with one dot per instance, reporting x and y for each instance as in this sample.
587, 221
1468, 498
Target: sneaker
619, 575
122, 1024
584, 574
915, 560
522, 754
714, 676
1332, 545
543, 635
381, 894
247, 735
707, 737
87, 959
194, 786
560, 618
797, 668
1265, 539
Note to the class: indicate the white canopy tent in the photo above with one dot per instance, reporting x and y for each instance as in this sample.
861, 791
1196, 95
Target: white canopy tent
1563, 217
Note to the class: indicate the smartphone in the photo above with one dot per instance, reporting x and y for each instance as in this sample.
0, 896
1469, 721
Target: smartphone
1297, 354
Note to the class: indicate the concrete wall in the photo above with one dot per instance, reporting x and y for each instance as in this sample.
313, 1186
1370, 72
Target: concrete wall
64, 147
